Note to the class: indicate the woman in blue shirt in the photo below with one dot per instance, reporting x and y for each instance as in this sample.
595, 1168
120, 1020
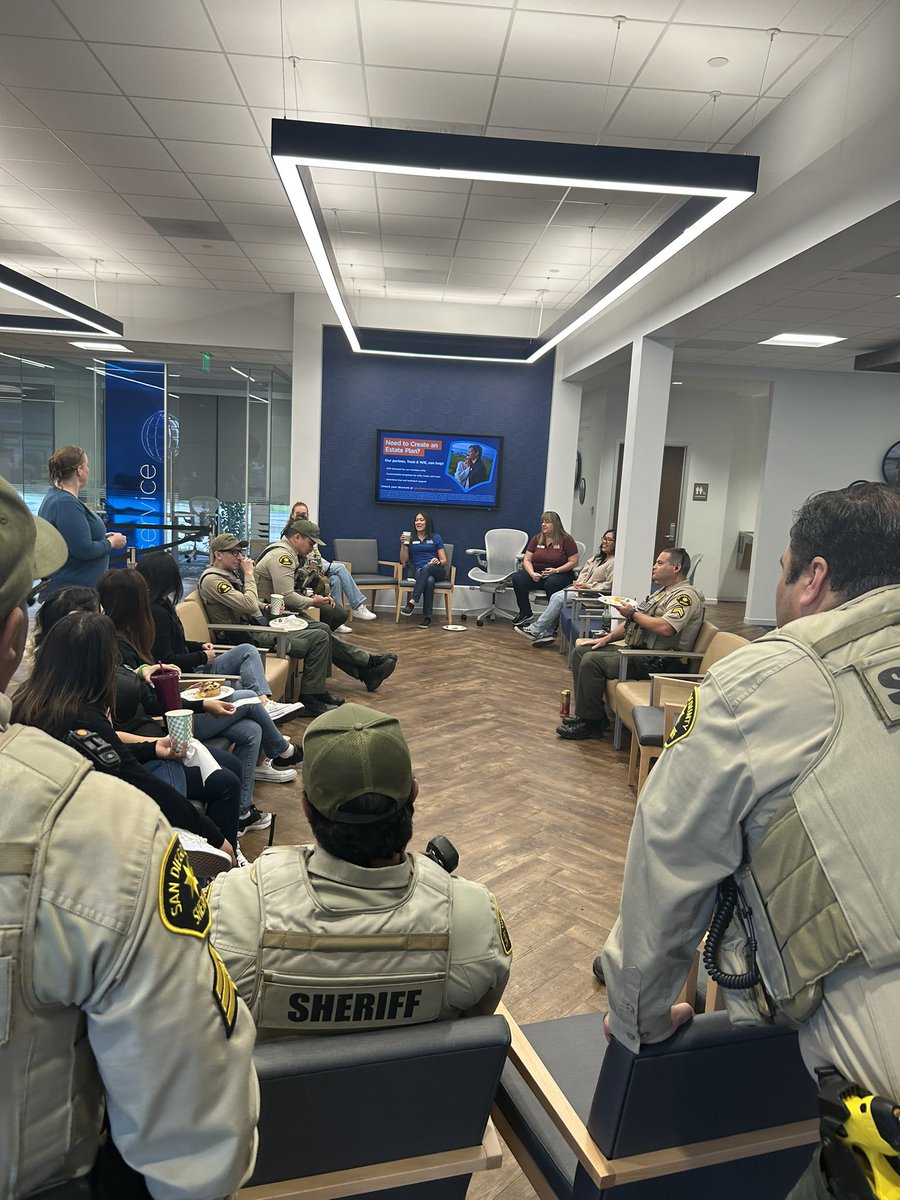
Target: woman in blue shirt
89, 543
429, 563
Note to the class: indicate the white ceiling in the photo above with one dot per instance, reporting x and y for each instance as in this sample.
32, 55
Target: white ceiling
120, 119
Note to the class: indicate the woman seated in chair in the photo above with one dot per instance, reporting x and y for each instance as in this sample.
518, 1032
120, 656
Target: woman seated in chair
425, 549
595, 576
550, 561
160, 570
73, 686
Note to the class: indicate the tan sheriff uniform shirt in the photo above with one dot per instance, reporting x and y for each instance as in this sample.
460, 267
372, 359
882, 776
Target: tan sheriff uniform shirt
276, 572
480, 949
119, 934
682, 606
227, 598
761, 719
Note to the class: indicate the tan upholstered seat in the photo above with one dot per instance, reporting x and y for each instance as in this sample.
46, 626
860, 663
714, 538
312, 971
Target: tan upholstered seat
196, 629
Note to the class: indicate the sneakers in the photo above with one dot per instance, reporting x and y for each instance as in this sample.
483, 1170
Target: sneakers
292, 757
521, 619
362, 613
545, 639
425, 623
253, 819
241, 861
523, 629
408, 609
266, 772
281, 712
343, 629
379, 668
206, 861
314, 706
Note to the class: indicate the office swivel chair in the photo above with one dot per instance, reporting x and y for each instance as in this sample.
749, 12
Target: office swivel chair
497, 563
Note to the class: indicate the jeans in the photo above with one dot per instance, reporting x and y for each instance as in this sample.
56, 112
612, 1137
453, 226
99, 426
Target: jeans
426, 578
523, 584
220, 795
342, 586
547, 622
242, 660
248, 728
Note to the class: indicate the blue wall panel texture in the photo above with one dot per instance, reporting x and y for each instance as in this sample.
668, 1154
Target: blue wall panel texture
363, 393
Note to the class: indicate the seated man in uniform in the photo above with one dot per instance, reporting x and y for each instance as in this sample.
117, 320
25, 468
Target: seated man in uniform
228, 589
311, 934
289, 568
104, 939
669, 619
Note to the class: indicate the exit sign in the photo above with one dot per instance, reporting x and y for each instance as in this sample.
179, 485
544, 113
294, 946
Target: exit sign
206, 360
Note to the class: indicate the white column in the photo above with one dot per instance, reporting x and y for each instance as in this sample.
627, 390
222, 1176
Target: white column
565, 413
645, 437
306, 411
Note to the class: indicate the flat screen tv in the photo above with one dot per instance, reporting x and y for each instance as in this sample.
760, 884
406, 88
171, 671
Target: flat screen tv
428, 469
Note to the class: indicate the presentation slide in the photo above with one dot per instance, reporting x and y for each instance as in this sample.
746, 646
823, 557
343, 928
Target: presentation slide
438, 468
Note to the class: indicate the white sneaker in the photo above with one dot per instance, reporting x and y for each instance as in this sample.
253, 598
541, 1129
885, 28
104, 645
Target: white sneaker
206, 861
362, 613
280, 712
238, 854
266, 773
343, 629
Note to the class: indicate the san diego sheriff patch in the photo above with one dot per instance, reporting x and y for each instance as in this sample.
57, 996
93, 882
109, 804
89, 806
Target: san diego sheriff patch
183, 906
286, 560
684, 722
223, 587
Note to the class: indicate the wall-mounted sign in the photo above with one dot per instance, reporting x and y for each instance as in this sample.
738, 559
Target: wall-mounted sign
701, 491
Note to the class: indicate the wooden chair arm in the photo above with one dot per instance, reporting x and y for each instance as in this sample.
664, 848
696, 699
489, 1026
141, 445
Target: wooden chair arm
606, 1172
398, 567
663, 687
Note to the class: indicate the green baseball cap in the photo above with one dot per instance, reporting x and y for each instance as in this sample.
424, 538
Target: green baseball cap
30, 549
226, 541
308, 528
350, 751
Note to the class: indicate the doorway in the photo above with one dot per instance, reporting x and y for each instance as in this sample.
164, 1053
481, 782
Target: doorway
669, 511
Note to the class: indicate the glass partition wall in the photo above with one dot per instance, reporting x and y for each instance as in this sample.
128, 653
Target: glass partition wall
228, 443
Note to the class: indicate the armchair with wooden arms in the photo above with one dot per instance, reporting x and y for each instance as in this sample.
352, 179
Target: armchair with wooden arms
360, 557
196, 629
716, 1110
405, 1110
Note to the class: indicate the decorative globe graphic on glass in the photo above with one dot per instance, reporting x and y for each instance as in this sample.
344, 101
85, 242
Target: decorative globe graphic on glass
153, 440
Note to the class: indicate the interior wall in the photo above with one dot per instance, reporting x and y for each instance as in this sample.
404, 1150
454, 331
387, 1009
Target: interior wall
827, 429
751, 433
591, 428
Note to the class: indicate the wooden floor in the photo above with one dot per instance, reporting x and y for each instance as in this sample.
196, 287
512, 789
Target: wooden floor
542, 822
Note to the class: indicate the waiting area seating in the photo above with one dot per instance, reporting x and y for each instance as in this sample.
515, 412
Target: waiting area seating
196, 629
441, 590
400, 1109
360, 557
497, 563
717, 1110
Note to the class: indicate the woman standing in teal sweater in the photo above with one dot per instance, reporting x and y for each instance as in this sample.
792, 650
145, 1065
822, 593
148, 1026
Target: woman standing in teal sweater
89, 543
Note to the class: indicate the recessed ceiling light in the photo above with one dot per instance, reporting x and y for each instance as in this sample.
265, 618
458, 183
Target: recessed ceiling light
677, 382
718, 61
117, 346
807, 341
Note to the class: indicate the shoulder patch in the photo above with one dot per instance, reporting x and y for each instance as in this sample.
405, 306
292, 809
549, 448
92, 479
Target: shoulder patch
677, 611
505, 939
223, 990
223, 586
684, 599
286, 560
684, 722
183, 906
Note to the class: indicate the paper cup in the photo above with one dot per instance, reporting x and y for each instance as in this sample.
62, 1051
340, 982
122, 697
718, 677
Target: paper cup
276, 604
180, 724
406, 536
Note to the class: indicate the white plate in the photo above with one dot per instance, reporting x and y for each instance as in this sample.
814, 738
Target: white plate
191, 694
289, 624
455, 628
615, 601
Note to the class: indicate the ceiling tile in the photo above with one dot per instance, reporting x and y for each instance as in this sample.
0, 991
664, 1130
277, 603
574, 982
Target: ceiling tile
162, 23
434, 36
427, 204
215, 158
114, 223
35, 18
239, 190
156, 258
292, 252
660, 114
577, 49
197, 246
129, 244
40, 218
347, 195
424, 262
507, 208
422, 183
196, 121
323, 29
268, 234
279, 266
498, 231
149, 183
354, 222
510, 251
33, 145
320, 86
804, 65
68, 175
170, 206
684, 50
103, 149
538, 104
169, 74
85, 111
419, 245
77, 202
13, 112
51, 63
445, 227
255, 214
20, 197
429, 95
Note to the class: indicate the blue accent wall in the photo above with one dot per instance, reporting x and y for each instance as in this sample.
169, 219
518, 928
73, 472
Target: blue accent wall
135, 450
363, 393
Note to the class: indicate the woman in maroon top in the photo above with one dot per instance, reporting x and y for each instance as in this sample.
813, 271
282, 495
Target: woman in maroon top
550, 561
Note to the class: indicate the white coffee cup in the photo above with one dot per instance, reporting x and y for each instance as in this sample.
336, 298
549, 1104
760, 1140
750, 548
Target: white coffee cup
406, 537
180, 726
276, 604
